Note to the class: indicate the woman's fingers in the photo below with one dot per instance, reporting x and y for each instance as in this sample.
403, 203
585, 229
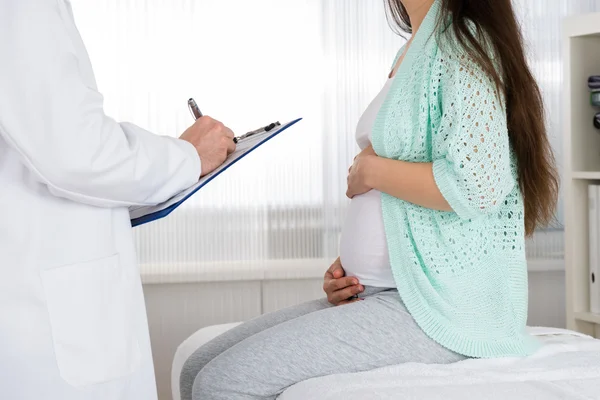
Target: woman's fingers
337, 264
340, 288
338, 273
344, 294
330, 273
330, 286
338, 284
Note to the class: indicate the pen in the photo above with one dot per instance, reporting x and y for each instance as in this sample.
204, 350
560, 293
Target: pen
194, 108
197, 113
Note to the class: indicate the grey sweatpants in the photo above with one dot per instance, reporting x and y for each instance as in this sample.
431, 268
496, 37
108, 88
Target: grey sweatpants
262, 357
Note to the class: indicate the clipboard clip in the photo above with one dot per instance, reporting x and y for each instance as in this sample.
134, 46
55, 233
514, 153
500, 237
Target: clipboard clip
264, 129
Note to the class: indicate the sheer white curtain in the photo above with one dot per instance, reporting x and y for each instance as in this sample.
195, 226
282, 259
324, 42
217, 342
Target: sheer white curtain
249, 63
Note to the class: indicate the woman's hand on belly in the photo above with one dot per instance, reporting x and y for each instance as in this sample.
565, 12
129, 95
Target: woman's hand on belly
356, 174
338, 287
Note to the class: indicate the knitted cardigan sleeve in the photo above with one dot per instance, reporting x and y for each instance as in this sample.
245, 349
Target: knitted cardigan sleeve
472, 166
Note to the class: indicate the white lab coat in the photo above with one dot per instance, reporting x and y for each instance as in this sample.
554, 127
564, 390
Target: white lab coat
72, 316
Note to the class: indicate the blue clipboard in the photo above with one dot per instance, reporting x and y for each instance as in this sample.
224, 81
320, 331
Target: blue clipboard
145, 214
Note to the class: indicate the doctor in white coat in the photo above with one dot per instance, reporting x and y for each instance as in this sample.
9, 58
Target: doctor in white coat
72, 317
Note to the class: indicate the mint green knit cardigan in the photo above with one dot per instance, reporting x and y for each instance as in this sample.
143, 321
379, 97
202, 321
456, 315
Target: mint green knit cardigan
462, 275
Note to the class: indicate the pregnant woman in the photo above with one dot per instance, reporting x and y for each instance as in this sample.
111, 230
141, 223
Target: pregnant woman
455, 171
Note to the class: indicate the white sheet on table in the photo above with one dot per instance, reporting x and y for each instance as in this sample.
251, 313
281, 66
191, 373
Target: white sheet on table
566, 367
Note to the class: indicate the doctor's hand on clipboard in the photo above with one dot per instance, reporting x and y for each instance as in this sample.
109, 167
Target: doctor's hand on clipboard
213, 142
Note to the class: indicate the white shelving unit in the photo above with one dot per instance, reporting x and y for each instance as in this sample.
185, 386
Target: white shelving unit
582, 164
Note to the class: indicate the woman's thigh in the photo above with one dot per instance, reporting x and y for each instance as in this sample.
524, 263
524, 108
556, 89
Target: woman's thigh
357, 337
210, 350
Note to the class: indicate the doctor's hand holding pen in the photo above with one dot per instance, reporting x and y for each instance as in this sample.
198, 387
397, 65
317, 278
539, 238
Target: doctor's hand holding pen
213, 140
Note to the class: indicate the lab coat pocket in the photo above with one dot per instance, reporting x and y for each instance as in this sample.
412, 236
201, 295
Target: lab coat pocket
91, 313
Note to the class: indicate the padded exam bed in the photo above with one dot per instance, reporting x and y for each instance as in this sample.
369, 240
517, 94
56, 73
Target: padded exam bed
566, 367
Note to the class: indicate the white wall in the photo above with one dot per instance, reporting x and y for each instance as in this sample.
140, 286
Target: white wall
547, 305
175, 310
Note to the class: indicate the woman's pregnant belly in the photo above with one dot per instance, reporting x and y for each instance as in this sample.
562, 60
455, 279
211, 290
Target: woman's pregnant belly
363, 245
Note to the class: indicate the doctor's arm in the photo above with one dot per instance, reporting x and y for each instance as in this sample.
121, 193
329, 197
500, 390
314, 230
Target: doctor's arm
54, 119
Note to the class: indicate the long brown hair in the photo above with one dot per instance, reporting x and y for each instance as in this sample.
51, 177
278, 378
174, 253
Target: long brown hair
497, 29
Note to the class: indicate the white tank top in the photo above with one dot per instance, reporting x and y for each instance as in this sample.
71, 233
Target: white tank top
363, 245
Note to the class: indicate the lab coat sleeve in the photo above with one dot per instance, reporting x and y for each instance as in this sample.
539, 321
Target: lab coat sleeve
53, 117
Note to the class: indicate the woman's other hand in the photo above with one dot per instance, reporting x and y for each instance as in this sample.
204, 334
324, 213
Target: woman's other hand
357, 174
338, 287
